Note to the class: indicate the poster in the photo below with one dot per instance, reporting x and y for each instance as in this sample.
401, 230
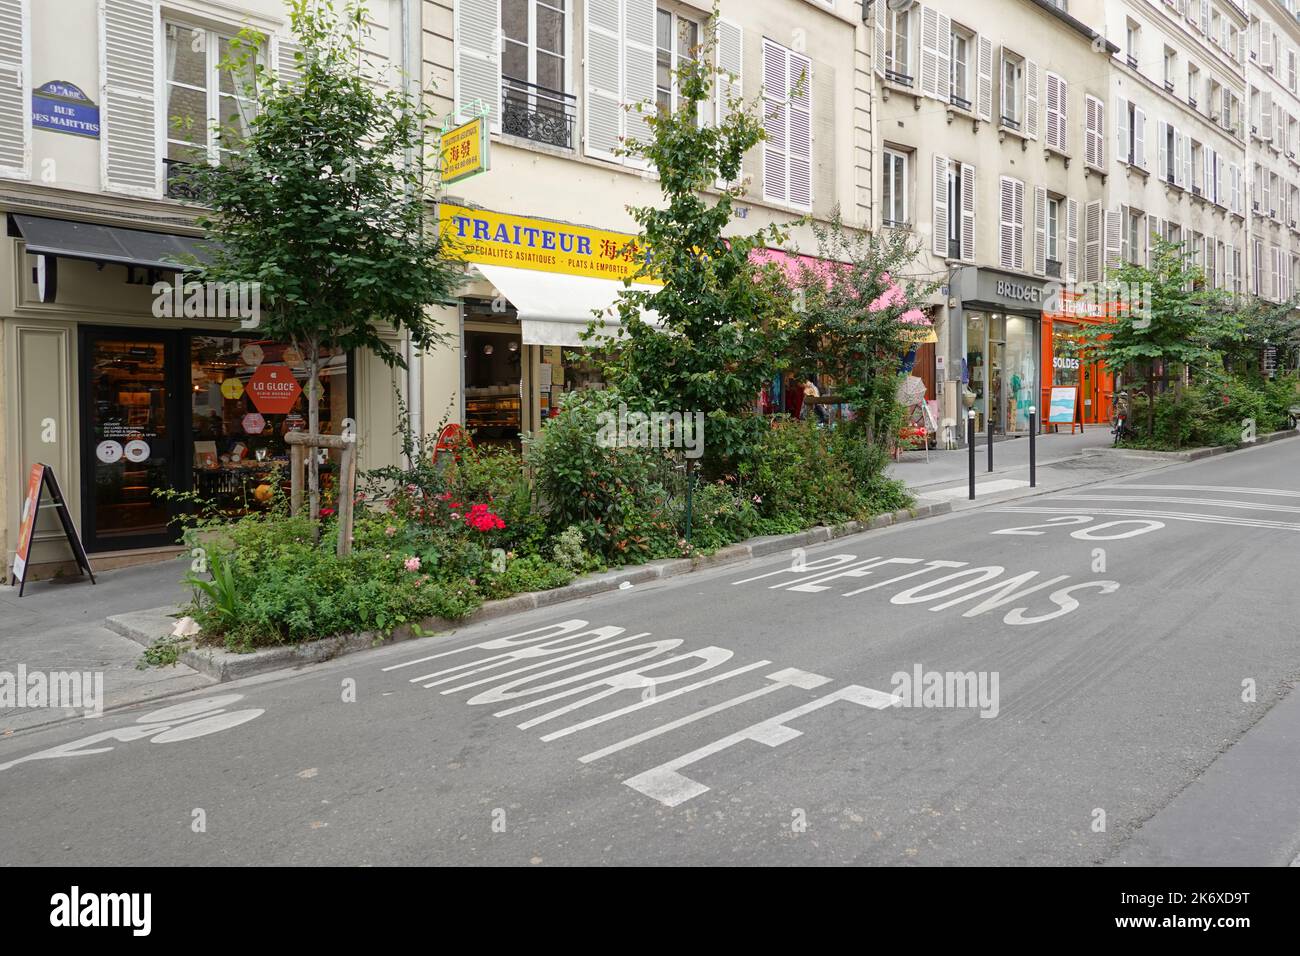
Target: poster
42, 477
1061, 409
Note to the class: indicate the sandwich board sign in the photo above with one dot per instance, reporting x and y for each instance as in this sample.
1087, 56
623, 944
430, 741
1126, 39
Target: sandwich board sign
41, 478
1062, 409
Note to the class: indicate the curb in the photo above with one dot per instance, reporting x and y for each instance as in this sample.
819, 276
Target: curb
1193, 454
145, 627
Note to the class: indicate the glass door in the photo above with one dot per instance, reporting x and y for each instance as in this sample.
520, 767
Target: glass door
128, 437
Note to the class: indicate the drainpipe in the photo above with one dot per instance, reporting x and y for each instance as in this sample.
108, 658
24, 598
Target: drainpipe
411, 85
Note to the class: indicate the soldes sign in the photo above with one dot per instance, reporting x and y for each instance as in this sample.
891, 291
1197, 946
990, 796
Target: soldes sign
273, 389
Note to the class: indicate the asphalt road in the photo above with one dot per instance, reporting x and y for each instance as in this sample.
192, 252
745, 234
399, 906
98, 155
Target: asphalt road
1118, 622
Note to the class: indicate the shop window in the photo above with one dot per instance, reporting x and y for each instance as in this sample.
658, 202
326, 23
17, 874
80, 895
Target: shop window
235, 446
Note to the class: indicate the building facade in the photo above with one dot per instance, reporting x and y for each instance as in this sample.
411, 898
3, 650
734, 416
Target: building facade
123, 391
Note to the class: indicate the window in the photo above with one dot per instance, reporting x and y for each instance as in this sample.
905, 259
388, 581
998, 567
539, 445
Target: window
960, 84
1171, 64
894, 188
787, 121
1057, 100
1013, 89
952, 187
1132, 135
1053, 235
534, 75
1198, 170
1193, 81
1133, 43
898, 46
676, 40
209, 82
1134, 237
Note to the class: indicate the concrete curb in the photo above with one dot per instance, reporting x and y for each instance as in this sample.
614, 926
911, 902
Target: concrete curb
145, 627
1193, 454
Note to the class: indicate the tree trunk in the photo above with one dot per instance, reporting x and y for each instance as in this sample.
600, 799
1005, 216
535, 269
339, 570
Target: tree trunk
313, 428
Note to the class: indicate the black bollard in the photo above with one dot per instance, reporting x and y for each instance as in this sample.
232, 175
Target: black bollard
970, 444
990, 436
1033, 432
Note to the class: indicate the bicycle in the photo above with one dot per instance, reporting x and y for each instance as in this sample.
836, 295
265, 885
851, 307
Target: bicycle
1119, 416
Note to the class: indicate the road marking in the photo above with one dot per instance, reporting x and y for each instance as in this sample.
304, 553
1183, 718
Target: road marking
1211, 502
985, 487
790, 677
1160, 515
666, 784
1224, 488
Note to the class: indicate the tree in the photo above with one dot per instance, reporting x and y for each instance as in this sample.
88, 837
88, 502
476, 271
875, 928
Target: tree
855, 317
1261, 324
1172, 319
321, 206
713, 347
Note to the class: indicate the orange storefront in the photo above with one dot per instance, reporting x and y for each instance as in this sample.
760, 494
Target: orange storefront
1061, 366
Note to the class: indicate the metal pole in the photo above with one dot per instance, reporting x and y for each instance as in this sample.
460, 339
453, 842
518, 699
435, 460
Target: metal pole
970, 445
1033, 432
989, 412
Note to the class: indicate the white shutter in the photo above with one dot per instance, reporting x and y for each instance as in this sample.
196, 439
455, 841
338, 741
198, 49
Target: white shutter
638, 73
1154, 228
1072, 240
477, 74
1210, 262
1055, 133
1031, 99
1179, 178
1007, 224
1205, 17
1122, 133
1230, 268
1113, 230
1139, 137
1266, 188
984, 81
878, 60
287, 69
930, 52
604, 77
1162, 149
1187, 161
944, 51
129, 118
1266, 115
731, 61
1125, 253
15, 100
1218, 180
800, 107
1092, 242
939, 204
1040, 228
1093, 126
1207, 172
775, 122
967, 212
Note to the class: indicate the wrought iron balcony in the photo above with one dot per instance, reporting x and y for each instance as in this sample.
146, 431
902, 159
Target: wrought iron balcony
959, 101
177, 179
1053, 269
894, 76
537, 113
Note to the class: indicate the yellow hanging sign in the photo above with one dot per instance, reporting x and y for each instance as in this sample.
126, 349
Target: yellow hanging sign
465, 151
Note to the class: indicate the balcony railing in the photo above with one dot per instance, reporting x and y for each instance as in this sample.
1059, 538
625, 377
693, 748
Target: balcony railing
1053, 269
959, 101
1009, 123
177, 179
902, 79
537, 113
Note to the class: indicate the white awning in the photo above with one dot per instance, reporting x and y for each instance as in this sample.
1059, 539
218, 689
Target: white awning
555, 309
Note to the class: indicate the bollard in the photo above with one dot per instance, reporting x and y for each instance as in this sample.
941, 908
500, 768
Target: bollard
1033, 432
970, 444
990, 438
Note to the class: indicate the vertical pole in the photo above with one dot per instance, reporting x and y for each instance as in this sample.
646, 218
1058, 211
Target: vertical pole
295, 479
989, 429
970, 445
1033, 433
345, 496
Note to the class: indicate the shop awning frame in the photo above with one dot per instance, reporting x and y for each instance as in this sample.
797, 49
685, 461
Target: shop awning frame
90, 242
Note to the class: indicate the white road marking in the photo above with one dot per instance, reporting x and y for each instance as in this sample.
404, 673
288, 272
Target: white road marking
1227, 489
667, 785
981, 487
1211, 502
790, 677
1159, 515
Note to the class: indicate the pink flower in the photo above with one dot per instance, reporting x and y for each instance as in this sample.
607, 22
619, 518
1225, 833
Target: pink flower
913, 317
413, 564
390, 531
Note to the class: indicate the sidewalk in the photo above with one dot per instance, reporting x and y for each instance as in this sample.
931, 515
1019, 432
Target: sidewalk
1009, 456
58, 625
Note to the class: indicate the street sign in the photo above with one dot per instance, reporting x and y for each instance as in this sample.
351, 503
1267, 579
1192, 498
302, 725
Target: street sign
465, 151
273, 389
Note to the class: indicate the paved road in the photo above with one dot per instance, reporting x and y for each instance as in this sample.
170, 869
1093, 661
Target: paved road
1120, 619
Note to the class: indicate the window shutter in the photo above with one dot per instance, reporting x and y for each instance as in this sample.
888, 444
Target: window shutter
15, 101
1006, 224
929, 52
967, 212
1155, 228
800, 128
1162, 149
604, 111
984, 82
1018, 194
1230, 268
1031, 99
878, 60
1179, 178
638, 73
1113, 225
1055, 121
1092, 242
1122, 133
287, 69
731, 61
945, 57
1125, 253
775, 85
1205, 17
129, 118
477, 73
1092, 131
1040, 230
1139, 137
1210, 261
1266, 115
939, 197
1072, 239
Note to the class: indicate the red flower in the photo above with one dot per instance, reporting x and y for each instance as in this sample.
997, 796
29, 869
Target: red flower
480, 518
326, 512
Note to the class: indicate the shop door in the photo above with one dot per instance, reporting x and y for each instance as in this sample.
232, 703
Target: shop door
130, 427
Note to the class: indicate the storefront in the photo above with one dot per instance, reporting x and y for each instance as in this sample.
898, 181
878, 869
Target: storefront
125, 395
1063, 321
533, 287
1001, 335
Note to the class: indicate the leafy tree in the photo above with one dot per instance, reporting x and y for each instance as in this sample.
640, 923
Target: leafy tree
853, 321
1177, 325
1260, 324
714, 346
322, 208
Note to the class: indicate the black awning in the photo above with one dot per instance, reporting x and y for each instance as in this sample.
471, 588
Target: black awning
131, 247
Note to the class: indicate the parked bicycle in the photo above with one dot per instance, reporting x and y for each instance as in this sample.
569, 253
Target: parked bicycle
1120, 416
